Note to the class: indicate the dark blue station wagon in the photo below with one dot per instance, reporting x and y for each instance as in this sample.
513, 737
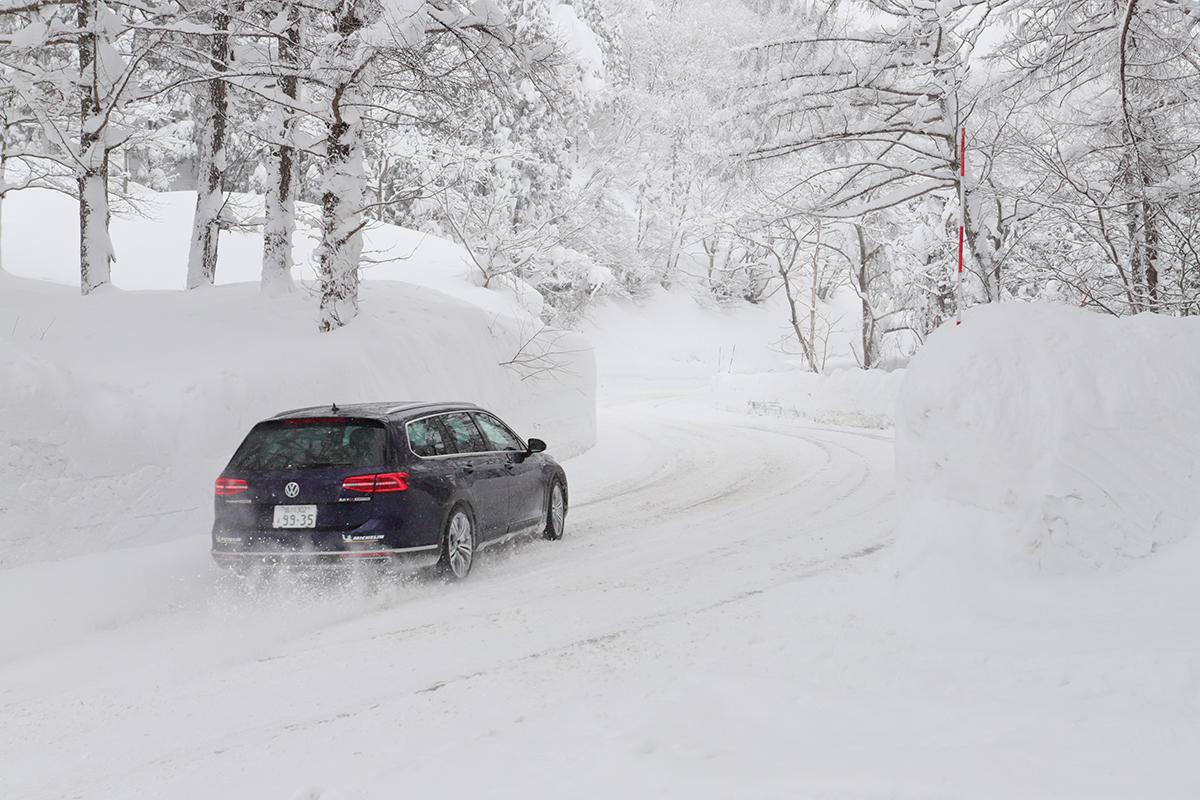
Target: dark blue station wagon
383, 482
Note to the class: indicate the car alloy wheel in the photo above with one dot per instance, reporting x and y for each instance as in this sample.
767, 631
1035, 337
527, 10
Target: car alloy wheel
558, 512
460, 544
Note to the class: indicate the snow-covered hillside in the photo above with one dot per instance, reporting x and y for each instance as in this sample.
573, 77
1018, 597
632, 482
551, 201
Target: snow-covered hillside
150, 239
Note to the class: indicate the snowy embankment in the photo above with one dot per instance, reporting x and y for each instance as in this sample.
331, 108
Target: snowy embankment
1048, 481
1050, 439
1047, 548
118, 410
851, 397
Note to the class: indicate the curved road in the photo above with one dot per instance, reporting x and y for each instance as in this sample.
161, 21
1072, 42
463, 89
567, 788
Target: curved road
647, 654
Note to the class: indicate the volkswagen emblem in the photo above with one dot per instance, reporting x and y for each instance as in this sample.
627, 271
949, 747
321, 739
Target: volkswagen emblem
292, 489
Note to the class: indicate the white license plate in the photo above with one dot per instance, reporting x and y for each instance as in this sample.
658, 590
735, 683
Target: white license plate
295, 517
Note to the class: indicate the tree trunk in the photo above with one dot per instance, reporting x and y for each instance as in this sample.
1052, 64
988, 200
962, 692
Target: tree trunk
202, 257
812, 297
1150, 241
870, 326
785, 272
3, 177
1135, 225
869, 347
807, 347
344, 178
280, 223
95, 248
977, 253
341, 225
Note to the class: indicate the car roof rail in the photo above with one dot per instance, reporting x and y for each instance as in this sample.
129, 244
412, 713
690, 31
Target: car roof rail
447, 405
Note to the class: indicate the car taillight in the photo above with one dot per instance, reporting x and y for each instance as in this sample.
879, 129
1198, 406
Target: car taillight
228, 486
380, 482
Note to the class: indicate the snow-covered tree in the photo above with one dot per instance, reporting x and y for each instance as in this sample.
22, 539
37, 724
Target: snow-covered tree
279, 223
406, 41
212, 157
77, 69
507, 189
668, 186
1113, 139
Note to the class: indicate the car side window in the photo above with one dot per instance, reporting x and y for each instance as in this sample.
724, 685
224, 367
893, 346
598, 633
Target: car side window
463, 432
497, 434
427, 437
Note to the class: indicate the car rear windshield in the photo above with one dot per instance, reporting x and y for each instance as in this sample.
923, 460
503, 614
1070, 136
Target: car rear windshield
312, 443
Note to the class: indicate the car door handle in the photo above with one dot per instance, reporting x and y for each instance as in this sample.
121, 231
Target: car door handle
510, 466
468, 468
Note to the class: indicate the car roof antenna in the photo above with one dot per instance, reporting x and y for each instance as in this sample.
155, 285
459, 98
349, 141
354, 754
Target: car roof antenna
334, 408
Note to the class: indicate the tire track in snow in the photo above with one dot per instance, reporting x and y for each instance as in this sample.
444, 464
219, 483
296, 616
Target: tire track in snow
661, 535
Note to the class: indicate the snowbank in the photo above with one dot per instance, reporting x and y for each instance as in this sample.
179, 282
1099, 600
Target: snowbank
1046, 559
1048, 440
852, 397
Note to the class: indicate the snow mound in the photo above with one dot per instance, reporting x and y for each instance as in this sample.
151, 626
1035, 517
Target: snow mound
1050, 440
851, 397
117, 410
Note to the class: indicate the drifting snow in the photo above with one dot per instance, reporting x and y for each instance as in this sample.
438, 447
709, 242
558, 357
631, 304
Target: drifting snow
1050, 438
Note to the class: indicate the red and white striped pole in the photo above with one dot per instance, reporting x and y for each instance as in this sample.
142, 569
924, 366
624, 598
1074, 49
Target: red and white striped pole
962, 223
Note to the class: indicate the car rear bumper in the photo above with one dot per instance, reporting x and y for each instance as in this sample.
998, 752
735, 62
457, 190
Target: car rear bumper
317, 558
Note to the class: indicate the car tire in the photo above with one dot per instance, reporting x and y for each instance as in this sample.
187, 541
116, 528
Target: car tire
459, 544
556, 511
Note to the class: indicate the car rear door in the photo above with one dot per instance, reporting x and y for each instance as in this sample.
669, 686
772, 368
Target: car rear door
526, 486
483, 471
295, 472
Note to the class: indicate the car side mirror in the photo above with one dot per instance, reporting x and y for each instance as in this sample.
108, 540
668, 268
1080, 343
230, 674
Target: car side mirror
535, 445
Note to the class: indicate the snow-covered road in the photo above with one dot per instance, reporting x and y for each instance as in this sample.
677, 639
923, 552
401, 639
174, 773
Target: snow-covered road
637, 655
721, 621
